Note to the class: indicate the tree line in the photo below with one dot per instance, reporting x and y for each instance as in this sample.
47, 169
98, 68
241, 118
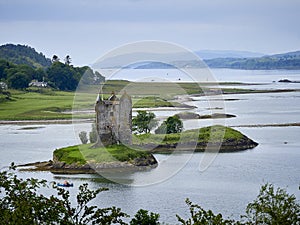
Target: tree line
61, 76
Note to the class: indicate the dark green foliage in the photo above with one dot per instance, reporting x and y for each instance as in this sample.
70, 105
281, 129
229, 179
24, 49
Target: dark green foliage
199, 216
143, 218
21, 204
273, 206
83, 137
144, 122
68, 60
67, 77
55, 59
93, 134
22, 54
4, 66
170, 126
18, 80
40, 74
63, 76
16, 59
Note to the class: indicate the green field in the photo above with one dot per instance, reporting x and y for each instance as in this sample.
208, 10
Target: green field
48, 104
24, 105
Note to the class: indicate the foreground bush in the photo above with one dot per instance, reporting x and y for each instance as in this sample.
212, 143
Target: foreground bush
21, 203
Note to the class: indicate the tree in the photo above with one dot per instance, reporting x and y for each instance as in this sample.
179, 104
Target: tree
55, 59
83, 137
273, 207
63, 76
4, 65
39, 74
21, 203
19, 80
144, 122
200, 216
172, 125
68, 60
143, 218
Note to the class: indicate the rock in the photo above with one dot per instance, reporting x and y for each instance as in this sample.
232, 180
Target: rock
285, 81
58, 167
189, 115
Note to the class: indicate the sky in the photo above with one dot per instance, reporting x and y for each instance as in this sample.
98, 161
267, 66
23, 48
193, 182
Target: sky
87, 29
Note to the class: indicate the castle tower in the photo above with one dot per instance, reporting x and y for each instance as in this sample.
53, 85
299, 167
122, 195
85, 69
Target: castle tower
125, 119
113, 120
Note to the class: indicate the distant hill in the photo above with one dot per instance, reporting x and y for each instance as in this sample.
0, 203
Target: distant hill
290, 60
22, 54
213, 54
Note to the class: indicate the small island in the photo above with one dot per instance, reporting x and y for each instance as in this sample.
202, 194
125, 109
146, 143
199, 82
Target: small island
118, 148
86, 158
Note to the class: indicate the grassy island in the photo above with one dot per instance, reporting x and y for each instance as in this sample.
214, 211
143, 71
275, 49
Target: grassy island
86, 153
86, 158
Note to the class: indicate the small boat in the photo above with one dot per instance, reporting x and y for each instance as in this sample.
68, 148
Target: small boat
65, 185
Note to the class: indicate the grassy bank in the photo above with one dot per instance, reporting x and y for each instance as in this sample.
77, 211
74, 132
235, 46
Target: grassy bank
81, 154
215, 133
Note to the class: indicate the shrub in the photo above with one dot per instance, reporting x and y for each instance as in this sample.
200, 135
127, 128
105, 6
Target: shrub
273, 207
143, 218
83, 137
200, 216
93, 134
21, 203
172, 125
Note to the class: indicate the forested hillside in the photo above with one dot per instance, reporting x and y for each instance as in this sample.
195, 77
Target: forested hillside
20, 64
22, 54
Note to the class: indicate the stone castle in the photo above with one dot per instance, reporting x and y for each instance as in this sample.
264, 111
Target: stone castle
114, 120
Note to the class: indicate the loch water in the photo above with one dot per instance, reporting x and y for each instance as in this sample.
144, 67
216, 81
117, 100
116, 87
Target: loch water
230, 182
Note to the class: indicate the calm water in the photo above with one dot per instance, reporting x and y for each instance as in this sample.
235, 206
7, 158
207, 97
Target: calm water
231, 181
221, 75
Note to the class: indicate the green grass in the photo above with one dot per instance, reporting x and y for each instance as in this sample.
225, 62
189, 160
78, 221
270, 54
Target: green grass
211, 134
82, 154
36, 106
152, 102
48, 104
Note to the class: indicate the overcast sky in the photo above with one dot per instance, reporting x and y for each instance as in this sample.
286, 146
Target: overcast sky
87, 29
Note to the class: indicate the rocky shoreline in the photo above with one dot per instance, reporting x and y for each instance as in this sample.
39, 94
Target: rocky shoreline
58, 167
